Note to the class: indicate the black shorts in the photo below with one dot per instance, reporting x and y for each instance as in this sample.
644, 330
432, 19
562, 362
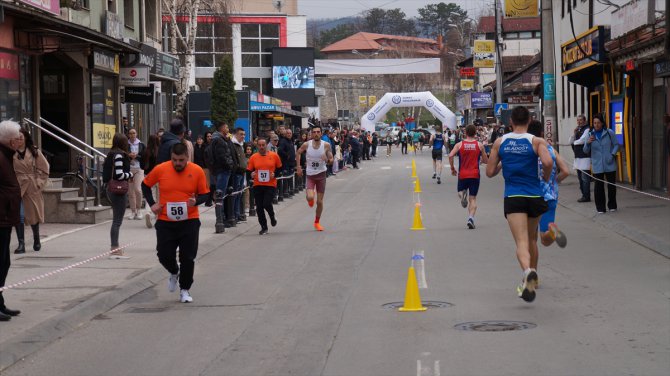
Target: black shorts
533, 206
437, 154
472, 185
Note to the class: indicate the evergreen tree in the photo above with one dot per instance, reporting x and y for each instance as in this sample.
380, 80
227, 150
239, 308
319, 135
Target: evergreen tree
224, 99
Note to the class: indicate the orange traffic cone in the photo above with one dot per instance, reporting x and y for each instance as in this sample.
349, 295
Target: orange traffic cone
417, 223
417, 186
412, 298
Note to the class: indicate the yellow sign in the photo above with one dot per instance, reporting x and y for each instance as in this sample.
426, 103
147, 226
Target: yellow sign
372, 100
484, 46
467, 84
521, 8
362, 100
484, 54
102, 135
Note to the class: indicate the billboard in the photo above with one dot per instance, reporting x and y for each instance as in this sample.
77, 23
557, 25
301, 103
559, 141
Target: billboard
521, 8
293, 75
482, 100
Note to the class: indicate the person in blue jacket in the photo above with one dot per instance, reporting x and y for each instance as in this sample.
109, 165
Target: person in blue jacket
603, 145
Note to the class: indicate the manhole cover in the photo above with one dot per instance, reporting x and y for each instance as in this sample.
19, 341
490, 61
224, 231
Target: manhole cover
494, 326
427, 303
146, 309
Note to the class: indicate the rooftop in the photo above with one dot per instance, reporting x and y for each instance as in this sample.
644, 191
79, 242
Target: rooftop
364, 41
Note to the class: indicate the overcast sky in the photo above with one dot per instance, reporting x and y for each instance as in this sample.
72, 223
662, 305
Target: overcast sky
344, 8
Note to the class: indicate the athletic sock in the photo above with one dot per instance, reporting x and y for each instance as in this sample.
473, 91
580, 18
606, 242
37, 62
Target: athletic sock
316, 219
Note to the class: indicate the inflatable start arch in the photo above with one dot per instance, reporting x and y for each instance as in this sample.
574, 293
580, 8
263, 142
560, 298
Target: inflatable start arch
392, 100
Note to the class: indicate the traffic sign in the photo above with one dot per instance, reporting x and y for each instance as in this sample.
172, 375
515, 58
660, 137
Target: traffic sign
497, 109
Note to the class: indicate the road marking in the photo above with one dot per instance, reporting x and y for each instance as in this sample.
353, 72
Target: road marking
420, 371
386, 167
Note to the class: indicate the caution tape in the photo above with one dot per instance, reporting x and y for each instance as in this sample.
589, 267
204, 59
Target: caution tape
57, 271
626, 188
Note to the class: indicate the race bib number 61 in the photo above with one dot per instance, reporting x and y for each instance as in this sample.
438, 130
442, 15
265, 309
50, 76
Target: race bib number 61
177, 211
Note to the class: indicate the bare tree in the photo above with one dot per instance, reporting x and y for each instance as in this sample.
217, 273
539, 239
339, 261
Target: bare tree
182, 41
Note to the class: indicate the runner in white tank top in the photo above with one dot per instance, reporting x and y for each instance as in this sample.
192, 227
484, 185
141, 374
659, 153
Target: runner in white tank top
318, 155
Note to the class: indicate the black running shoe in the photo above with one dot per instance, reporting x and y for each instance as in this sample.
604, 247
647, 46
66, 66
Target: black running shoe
434, 176
527, 288
263, 231
273, 222
471, 224
439, 181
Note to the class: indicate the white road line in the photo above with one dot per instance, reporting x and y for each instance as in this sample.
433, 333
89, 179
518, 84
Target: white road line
418, 367
386, 167
436, 370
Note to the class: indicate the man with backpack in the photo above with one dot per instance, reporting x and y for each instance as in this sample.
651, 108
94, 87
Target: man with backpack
220, 158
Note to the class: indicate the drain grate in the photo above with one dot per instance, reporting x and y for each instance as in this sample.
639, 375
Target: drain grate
146, 309
430, 304
494, 326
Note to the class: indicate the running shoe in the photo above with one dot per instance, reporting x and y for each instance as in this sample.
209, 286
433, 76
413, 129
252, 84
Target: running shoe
471, 224
147, 220
263, 231
464, 199
439, 181
558, 235
434, 176
318, 227
273, 221
172, 282
526, 290
310, 203
185, 296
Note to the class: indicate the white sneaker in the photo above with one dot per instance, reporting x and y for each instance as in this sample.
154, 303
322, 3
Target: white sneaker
172, 282
185, 296
131, 216
147, 220
138, 216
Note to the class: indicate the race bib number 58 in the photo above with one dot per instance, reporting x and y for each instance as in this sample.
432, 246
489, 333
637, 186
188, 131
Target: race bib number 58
177, 211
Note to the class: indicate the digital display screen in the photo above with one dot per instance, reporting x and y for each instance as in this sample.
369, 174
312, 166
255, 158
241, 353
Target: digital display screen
293, 75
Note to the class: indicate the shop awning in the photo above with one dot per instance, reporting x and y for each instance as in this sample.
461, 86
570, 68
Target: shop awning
267, 107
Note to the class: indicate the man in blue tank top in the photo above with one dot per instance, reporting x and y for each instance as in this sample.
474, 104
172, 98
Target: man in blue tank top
437, 143
516, 153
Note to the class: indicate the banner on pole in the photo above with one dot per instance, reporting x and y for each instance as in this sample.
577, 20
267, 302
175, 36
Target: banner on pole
484, 53
521, 8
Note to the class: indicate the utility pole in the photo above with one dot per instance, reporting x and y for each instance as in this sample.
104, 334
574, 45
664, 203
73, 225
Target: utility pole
498, 44
548, 75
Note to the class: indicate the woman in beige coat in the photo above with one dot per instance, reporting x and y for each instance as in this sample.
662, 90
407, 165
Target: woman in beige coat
32, 172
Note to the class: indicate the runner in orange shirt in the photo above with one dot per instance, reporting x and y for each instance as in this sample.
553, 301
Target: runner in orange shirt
182, 186
263, 166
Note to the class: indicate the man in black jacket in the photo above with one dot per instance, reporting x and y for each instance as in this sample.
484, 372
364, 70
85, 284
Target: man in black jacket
223, 163
286, 153
355, 146
169, 139
10, 203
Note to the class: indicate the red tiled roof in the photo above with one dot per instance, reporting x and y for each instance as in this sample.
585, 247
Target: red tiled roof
514, 63
487, 24
363, 41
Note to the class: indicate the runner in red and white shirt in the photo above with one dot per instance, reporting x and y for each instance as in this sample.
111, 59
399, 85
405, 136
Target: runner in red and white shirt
470, 154
318, 155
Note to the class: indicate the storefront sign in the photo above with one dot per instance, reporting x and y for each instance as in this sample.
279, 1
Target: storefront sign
137, 76
102, 135
519, 99
630, 16
112, 25
630, 65
362, 101
662, 69
549, 86
616, 111
51, 6
467, 84
587, 50
520, 8
9, 66
372, 100
143, 95
166, 66
481, 100
484, 54
105, 61
258, 106
468, 72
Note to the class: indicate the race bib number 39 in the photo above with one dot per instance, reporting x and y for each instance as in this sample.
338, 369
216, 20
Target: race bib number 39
177, 211
316, 165
263, 176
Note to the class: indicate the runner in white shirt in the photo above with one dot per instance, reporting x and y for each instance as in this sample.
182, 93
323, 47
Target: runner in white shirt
318, 155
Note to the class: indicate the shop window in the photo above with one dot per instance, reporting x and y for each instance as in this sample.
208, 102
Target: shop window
129, 13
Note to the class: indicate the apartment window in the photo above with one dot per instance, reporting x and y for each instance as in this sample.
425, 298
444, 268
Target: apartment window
253, 84
525, 34
129, 13
511, 36
537, 34
151, 19
212, 44
257, 43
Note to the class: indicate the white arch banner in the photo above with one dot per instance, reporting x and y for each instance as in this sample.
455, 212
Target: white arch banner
393, 100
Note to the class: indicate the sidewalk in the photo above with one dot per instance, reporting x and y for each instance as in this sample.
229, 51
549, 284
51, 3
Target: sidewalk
640, 218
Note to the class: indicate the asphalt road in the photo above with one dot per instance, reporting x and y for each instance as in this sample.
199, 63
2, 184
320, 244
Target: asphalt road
300, 302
